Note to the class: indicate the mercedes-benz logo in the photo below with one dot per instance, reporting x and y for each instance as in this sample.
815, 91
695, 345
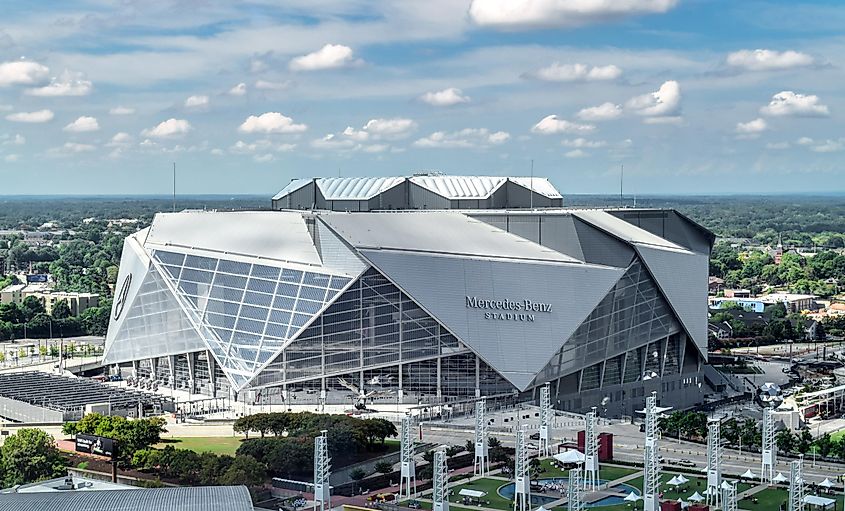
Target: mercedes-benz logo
120, 298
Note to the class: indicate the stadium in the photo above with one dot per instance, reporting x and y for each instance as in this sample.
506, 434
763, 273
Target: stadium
468, 294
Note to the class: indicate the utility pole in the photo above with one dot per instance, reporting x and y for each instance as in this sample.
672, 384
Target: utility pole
440, 476
322, 471
545, 420
482, 459
591, 454
522, 477
408, 468
174, 187
769, 449
714, 463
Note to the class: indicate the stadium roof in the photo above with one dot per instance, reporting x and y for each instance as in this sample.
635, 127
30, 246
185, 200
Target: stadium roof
201, 498
449, 187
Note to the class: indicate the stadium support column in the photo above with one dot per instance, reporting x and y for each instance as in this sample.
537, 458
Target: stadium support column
482, 460
545, 420
440, 476
171, 362
573, 494
729, 497
591, 451
796, 485
322, 471
408, 468
192, 372
651, 465
769, 448
212, 374
522, 492
714, 463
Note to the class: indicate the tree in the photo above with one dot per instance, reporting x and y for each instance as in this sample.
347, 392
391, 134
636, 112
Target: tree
383, 467
244, 470
61, 310
785, 440
356, 475
30, 455
31, 307
805, 440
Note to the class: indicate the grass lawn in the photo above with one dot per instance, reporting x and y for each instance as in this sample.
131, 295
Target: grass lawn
218, 445
490, 487
605, 472
837, 435
428, 505
769, 499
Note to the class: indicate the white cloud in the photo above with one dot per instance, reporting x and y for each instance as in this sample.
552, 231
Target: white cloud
32, 117
829, 146
558, 72
356, 135
751, 129
6, 108
604, 112
788, 103
265, 85
665, 102
576, 153
72, 147
330, 56
22, 72
120, 139
271, 122
333, 142
396, 127
197, 102
778, 145
524, 14
551, 125
469, 138
168, 129
18, 139
445, 97
67, 84
804, 141
83, 124
768, 60
262, 146
10, 158
579, 143
122, 110
263, 158
238, 90
675, 120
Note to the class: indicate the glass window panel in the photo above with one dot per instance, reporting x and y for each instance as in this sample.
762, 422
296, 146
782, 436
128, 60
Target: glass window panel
316, 279
191, 275
220, 320
200, 262
274, 330
283, 302
232, 281
278, 316
312, 293
264, 286
226, 294
265, 272
287, 290
223, 307
174, 271
170, 257
252, 312
261, 299
236, 267
300, 319
293, 276
339, 282
249, 325
308, 306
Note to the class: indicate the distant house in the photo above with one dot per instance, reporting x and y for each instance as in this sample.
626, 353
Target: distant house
715, 285
792, 301
737, 293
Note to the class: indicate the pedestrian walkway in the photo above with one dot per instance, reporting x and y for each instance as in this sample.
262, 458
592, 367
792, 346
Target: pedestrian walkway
610, 484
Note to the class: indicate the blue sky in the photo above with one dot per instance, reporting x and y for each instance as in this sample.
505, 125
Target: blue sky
692, 96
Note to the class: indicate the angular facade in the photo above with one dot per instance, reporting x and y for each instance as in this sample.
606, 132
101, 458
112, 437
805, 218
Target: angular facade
418, 307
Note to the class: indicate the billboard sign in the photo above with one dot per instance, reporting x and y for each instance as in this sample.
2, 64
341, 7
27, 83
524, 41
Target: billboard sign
98, 445
38, 277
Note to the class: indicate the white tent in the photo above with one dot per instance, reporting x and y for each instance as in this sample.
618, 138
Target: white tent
570, 456
726, 485
780, 478
826, 483
466, 492
631, 497
682, 479
673, 482
696, 497
815, 500
541, 508
748, 474
683, 504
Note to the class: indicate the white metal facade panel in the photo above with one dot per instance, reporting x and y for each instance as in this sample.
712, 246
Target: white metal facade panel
516, 348
279, 235
682, 276
539, 185
622, 229
134, 264
460, 187
336, 255
293, 186
356, 188
437, 231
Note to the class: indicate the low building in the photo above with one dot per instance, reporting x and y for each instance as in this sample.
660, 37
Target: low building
792, 301
737, 293
43, 290
715, 285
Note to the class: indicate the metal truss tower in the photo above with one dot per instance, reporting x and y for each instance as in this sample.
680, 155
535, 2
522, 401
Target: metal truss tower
481, 464
769, 447
522, 493
322, 471
591, 451
573, 494
545, 420
408, 467
796, 485
651, 464
714, 463
440, 476
729, 497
